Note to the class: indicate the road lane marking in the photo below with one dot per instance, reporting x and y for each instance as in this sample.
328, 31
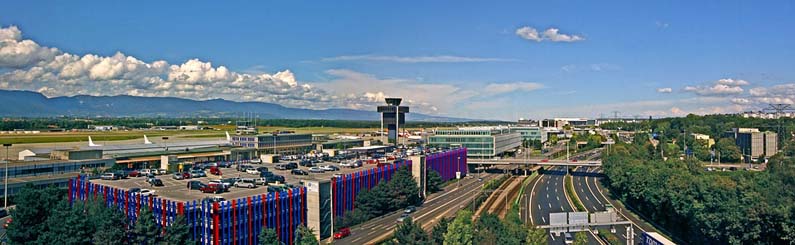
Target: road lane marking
550, 205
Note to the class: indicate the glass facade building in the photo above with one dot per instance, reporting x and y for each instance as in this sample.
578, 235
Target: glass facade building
275, 143
531, 133
480, 142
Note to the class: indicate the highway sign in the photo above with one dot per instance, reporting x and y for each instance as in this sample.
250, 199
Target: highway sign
558, 219
578, 221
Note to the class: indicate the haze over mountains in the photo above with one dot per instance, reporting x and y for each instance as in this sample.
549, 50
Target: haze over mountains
15, 103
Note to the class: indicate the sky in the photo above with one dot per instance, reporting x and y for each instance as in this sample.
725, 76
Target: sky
486, 60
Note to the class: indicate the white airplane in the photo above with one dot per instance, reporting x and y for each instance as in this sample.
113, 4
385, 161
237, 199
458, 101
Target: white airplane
228, 138
348, 137
91, 142
146, 141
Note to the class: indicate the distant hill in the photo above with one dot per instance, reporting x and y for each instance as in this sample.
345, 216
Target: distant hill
32, 104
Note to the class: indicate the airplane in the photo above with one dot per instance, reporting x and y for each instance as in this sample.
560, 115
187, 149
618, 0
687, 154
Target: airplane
228, 138
146, 141
348, 137
91, 142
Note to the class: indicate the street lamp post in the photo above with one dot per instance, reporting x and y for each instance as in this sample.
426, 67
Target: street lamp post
5, 189
458, 173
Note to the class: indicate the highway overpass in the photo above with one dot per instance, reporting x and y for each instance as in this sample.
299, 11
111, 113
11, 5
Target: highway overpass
539, 162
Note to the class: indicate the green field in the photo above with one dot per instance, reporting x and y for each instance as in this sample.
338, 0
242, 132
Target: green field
82, 136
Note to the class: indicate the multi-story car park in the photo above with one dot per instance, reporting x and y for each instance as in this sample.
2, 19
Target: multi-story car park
279, 143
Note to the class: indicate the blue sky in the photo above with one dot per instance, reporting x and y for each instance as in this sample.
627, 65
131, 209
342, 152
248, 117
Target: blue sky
667, 58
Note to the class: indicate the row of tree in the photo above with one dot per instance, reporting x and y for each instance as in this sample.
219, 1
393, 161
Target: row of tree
702, 207
399, 192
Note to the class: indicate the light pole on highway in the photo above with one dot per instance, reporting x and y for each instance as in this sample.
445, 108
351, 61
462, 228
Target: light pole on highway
5, 189
458, 173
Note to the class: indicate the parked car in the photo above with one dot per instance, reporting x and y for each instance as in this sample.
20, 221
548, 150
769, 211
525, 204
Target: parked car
146, 192
224, 186
144, 172
197, 173
246, 182
330, 168
195, 185
342, 233
347, 164
134, 190
298, 172
281, 166
133, 173
265, 174
306, 163
186, 175
178, 176
262, 169
252, 171
156, 182
272, 179
225, 164
230, 181
161, 171
215, 171
211, 189
316, 170
109, 176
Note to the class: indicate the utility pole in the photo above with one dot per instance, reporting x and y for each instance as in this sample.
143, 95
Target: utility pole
5, 189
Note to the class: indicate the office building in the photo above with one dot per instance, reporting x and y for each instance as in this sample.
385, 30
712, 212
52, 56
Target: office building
278, 143
572, 122
393, 117
754, 143
530, 133
48, 172
479, 141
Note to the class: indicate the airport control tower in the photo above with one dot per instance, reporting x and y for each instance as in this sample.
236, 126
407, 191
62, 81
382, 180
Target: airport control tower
393, 116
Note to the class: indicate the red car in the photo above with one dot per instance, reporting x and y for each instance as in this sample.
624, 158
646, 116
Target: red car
134, 173
342, 233
215, 171
210, 189
186, 175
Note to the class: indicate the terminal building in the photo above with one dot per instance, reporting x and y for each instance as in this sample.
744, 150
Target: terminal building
55, 168
479, 141
754, 143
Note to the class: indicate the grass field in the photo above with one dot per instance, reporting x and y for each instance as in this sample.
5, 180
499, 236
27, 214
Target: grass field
58, 137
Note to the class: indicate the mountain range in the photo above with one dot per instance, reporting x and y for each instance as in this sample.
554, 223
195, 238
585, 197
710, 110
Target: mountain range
16, 103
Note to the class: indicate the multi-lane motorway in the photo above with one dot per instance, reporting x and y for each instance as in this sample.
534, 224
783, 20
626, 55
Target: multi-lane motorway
443, 204
547, 195
587, 189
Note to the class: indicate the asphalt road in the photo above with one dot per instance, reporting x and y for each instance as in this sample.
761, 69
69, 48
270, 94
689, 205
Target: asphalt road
547, 196
584, 180
442, 204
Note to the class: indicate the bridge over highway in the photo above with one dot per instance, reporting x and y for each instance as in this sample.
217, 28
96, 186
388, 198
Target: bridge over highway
539, 162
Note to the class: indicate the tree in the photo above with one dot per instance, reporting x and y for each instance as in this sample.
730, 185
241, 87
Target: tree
459, 232
729, 152
536, 236
438, 231
145, 230
488, 229
67, 225
434, 181
580, 238
33, 208
305, 236
178, 232
409, 232
268, 236
110, 224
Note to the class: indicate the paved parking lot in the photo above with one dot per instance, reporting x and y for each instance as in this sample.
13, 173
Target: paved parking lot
177, 189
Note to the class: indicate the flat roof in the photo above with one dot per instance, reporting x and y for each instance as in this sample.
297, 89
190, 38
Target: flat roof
367, 148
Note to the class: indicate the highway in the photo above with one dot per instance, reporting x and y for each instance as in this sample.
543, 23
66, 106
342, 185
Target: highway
585, 185
547, 196
442, 204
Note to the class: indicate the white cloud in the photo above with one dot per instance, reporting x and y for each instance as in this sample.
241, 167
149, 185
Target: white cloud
596, 67
661, 25
719, 88
414, 59
500, 88
550, 34
553, 34
528, 33
55, 73
664, 90
760, 91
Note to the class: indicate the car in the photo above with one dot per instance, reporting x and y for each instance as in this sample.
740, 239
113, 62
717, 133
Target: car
402, 217
215, 199
186, 175
306, 163
246, 182
156, 182
410, 209
225, 164
265, 174
243, 168
347, 164
342, 233
230, 181
178, 176
211, 189
298, 172
197, 173
252, 171
133, 173
544, 160
215, 171
109, 176
224, 185
144, 172
272, 179
281, 166
329, 168
262, 169
161, 171
134, 190
195, 185
316, 170
568, 239
146, 192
